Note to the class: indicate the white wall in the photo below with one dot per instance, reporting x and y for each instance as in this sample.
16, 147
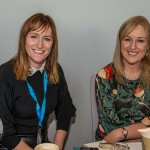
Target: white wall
87, 32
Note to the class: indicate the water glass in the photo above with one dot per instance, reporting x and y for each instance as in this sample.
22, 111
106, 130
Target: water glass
114, 146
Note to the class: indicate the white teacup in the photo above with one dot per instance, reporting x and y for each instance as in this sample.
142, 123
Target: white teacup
145, 132
145, 138
46, 146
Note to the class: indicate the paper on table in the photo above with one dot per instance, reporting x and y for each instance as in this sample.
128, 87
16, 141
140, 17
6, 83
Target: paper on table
93, 144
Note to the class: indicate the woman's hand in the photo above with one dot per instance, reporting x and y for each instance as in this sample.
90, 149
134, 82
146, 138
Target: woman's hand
117, 135
114, 136
60, 138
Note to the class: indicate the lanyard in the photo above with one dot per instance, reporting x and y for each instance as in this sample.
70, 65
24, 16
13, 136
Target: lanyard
39, 111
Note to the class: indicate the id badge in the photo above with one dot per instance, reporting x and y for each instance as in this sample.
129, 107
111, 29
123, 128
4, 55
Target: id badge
39, 136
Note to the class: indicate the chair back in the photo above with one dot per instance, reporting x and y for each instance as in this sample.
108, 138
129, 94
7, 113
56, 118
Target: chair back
94, 111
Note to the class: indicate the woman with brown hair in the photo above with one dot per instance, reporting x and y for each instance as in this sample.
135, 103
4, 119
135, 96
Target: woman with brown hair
32, 86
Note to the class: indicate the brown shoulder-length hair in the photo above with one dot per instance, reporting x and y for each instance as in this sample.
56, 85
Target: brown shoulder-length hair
126, 28
21, 63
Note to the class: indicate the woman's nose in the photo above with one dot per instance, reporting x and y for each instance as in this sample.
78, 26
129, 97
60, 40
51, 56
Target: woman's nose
133, 45
39, 43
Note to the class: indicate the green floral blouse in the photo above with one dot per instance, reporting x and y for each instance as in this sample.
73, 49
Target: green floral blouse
119, 105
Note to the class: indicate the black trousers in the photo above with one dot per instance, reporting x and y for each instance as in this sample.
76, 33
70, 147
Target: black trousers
31, 140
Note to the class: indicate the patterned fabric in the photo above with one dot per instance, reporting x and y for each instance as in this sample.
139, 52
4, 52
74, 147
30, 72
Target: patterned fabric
119, 105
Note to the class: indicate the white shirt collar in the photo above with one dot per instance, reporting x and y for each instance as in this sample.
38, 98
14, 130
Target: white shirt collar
33, 70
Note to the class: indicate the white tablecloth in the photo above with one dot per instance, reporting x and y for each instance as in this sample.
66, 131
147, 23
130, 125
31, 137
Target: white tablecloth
132, 145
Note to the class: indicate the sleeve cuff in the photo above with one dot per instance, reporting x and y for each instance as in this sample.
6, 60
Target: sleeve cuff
63, 124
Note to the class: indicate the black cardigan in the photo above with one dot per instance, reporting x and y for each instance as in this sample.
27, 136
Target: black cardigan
18, 107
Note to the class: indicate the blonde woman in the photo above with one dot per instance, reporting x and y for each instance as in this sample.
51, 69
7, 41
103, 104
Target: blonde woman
123, 86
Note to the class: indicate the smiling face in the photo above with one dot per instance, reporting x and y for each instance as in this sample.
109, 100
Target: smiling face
134, 46
38, 46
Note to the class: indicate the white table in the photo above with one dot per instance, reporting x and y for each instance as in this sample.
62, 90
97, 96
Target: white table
132, 145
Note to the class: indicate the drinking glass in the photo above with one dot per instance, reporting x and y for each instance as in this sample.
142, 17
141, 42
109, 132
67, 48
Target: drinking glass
114, 146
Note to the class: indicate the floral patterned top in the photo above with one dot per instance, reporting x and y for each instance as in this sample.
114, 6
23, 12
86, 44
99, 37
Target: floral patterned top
119, 105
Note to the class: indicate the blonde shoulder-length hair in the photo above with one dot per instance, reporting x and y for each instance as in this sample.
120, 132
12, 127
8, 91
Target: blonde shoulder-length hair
126, 28
21, 63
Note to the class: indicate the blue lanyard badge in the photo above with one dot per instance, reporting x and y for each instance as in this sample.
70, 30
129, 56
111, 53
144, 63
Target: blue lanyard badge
40, 111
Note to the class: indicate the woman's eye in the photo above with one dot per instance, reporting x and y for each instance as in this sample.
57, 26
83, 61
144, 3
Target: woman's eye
127, 39
48, 39
141, 41
33, 36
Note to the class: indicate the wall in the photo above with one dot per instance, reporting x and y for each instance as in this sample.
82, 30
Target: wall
86, 31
